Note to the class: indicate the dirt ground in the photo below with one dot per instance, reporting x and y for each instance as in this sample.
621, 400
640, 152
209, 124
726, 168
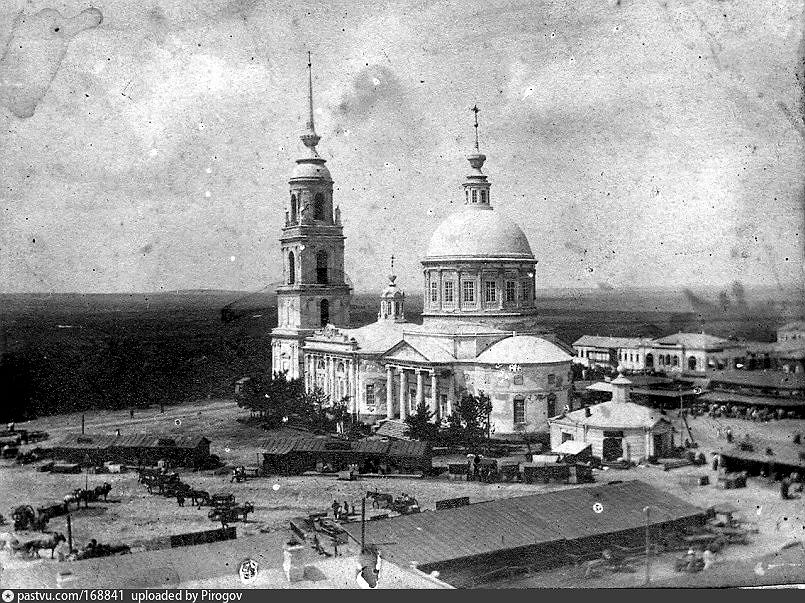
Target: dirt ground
132, 516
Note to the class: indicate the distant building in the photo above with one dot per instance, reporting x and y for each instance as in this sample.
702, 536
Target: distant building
677, 353
616, 429
792, 331
762, 390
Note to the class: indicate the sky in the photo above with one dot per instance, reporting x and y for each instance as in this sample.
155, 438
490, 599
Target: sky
637, 144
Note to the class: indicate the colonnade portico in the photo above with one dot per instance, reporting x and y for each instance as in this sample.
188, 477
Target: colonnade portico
405, 403
335, 375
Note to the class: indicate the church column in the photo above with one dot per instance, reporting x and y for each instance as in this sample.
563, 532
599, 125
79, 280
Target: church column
451, 394
434, 397
403, 394
389, 392
353, 389
420, 387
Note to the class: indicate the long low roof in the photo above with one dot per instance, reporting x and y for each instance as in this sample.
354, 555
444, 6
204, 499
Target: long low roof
278, 446
135, 440
783, 453
600, 341
613, 415
722, 397
435, 537
770, 379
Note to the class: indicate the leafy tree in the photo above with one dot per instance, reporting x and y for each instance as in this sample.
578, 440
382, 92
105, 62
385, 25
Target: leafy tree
420, 425
471, 413
271, 397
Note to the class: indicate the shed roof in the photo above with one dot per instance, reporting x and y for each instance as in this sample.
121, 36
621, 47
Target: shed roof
722, 397
610, 414
488, 527
783, 453
701, 341
771, 379
393, 429
135, 440
572, 447
409, 449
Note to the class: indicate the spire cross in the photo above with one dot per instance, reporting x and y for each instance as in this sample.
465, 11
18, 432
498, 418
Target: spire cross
475, 110
310, 91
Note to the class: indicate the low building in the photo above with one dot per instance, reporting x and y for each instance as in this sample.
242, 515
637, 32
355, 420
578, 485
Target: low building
474, 544
295, 455
134, 449
756, 457
676, 353
616, 429
764, 390
792, 331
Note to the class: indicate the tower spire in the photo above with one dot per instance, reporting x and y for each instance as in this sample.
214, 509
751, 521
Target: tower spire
310, 139
476, 110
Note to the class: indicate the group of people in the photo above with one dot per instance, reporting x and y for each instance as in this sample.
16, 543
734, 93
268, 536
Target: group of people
342, 511
752, 413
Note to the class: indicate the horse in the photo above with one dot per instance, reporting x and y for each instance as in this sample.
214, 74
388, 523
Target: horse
198, 497
380, 500
103, 490
32, 547
244, 509
87, 496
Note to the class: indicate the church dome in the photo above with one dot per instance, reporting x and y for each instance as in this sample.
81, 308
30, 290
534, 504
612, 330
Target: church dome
523, 349
309, 168
478, 232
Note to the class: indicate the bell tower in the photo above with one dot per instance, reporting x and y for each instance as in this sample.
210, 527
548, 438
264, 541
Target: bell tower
314, 292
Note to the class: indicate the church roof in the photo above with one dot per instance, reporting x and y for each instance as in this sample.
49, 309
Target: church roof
523, 349
615, 415
478, 233
308, 168
377, 337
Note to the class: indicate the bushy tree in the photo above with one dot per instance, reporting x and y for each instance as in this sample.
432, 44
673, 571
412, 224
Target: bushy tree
271, 397
420, 425
470, 419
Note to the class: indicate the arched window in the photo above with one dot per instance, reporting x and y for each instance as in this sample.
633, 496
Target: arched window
324, 312
293, 208
692, 363
675, 360
321, 267
318, 207
291, 268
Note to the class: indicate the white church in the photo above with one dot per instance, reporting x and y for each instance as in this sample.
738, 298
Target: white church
479, 331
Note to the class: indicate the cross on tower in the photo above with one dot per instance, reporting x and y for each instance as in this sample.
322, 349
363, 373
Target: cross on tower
475, 110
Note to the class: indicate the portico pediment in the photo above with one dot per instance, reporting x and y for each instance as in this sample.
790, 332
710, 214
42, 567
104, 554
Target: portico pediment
404, 352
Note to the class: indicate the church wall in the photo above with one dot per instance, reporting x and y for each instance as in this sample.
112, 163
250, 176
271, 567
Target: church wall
503, 385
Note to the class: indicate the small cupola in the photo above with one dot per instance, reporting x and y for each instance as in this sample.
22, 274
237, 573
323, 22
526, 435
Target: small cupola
476, 186
392, 300
621, 387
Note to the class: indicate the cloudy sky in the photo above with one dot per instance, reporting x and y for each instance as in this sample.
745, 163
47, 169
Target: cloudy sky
650, 143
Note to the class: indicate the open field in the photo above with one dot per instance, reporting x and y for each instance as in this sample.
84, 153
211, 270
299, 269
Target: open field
133, 516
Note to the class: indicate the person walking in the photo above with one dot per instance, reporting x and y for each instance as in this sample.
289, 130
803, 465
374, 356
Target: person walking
729, 435
180, 499
715, 462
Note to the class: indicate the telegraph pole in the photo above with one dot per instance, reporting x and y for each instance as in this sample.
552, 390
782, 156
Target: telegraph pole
646, 510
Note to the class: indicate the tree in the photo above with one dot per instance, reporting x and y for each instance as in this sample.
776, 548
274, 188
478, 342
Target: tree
273, 397
471, 413
420, 425
315, 410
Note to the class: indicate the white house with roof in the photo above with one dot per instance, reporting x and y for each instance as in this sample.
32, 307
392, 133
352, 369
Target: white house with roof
617, 428
676, 353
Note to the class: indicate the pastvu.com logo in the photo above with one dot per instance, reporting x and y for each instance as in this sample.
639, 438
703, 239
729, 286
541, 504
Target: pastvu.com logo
8, 596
